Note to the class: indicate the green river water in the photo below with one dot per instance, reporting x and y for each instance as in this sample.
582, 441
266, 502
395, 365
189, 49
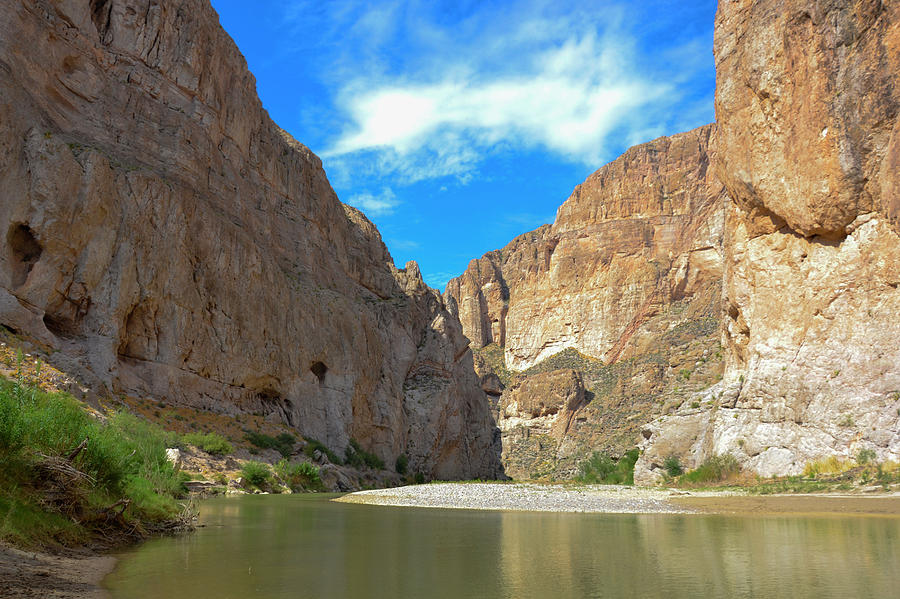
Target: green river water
303, 546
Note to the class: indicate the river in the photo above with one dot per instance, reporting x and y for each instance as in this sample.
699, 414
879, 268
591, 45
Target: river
304, 546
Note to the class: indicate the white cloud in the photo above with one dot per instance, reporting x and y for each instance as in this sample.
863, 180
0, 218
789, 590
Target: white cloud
426, 95
375, 205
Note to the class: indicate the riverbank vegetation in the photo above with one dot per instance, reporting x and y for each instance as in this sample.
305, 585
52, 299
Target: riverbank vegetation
71, 478
601, 468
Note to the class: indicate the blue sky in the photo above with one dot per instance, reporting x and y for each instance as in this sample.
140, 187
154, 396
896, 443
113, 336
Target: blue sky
456, 126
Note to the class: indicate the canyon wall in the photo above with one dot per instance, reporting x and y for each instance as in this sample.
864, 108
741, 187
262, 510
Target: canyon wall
624, 288
164, 238
808, 112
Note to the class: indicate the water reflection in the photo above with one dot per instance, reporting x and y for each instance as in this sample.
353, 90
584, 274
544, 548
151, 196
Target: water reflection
273, 547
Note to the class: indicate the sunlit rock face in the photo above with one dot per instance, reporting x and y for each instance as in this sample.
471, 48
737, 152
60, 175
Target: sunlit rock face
164, 238
808, 117
624, 288
641, 232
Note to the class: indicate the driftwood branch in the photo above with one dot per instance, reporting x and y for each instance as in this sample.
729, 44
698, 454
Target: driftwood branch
78, 449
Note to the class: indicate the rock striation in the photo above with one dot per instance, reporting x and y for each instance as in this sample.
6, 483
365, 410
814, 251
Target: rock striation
624, 288
638, 234
162, 237
808, 142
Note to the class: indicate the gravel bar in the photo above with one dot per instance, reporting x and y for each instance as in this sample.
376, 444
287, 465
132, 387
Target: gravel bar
525, 497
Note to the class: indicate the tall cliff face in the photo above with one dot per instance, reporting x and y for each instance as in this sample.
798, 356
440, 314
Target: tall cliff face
164, 238
624, 287
809, 139
641, 232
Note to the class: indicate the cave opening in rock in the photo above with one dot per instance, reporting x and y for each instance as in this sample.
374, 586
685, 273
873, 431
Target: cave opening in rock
25, 252
319, 369
100, 15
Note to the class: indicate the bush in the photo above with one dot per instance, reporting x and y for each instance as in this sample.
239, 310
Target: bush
283, 443
402, 464
313, 445
865, 456
211, 443
299, 476
672, 466
256, 474
419, 478
603, 469
359, 458
715, 469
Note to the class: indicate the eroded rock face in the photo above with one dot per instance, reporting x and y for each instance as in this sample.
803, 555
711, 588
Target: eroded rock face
624, 288
809, 125
535, 416
164, 238
641, 232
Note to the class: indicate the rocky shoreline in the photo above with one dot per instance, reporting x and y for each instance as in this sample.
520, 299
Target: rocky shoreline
531, 497
619, 499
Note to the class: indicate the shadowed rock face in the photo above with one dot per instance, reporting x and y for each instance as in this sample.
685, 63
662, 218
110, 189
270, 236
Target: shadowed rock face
809, 129
164, 238
624, 287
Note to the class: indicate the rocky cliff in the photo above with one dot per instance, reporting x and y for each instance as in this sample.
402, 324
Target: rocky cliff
624, 287
808, 147
639, 233
164, 238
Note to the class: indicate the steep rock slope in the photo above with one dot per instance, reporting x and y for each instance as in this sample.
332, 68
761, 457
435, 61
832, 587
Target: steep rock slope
809, 140
639, 233
624, 287
162, 237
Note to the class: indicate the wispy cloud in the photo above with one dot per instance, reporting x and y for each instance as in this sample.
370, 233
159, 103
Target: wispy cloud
375, 205
432, 88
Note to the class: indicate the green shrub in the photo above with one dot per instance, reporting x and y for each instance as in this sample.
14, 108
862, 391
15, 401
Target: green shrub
715, 469
402, 464
865, 456
419, 478
672, 466
313, 445
256, 474
600, 468
299, 476
359, 458
283, 443
211, 443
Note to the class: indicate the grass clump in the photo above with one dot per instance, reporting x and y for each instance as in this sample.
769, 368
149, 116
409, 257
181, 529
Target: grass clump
359, 458
600, 468
313, 445
257, 474
68, 478
283, 443
672, 466
302, 476
211, 443
715, 469
827, 466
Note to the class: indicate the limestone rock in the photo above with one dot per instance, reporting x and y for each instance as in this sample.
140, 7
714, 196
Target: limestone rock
641, 232
164, 238
624, 287
534, 417
809, 125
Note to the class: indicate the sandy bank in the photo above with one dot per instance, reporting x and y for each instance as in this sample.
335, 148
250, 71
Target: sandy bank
614, 499
39, 575
862, 505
